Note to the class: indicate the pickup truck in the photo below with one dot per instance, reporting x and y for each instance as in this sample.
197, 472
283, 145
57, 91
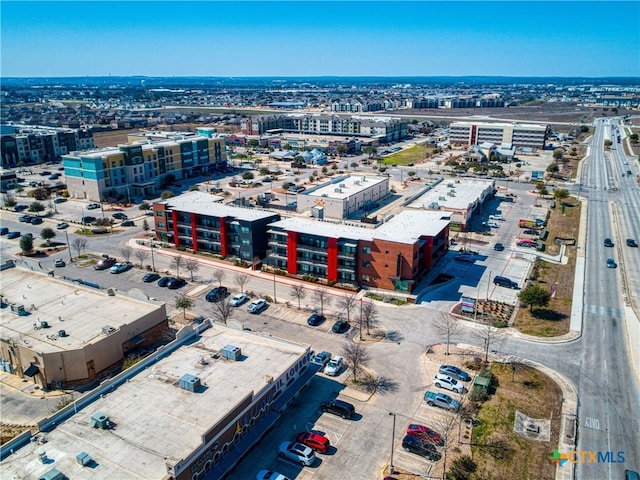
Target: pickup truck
441, 400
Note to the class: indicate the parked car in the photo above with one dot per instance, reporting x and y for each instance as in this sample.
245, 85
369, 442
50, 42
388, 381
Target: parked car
20, 208
441, 400
88, 219
334, 366
504, 282
59, 200
128, 223
13, 234
93, 206
608, 242
297, 452
257, 306
322, 358
176, 283
454, 372
164, 281
59, 262
611, 263
315, 320
270, 475
315, 441
631, 242
25, 218
493, 224
468, 257
340, 326
216, 294
338, 407
150, 277
119, 216
62, 225
496, 216
36, 221
105, 263
447, 382
531, 231
525, 242
121, 267
4, 230
425, 433
420, 447
238, 299
498, 247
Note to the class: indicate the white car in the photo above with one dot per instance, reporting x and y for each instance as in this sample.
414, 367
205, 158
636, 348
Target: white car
257, 306
270, 475
496, 216
297, 452
447, 382
62, 225
238, 300
334, 366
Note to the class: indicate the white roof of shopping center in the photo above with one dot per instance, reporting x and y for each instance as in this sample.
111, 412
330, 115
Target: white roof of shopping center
347, 186
466, 193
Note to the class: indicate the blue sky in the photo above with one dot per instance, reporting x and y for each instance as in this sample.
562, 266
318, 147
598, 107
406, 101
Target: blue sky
305, 38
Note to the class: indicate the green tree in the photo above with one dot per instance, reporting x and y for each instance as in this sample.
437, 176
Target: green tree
264, 171
633, 137
253, 143
552, 168
608, 143
184, 303
166, 194
144, 206
584, 128
36, 207
560, 194
535, 296
9, 201
370, 151
411, 174
47, 234
26, 244
558, 153
145, 225
247, 176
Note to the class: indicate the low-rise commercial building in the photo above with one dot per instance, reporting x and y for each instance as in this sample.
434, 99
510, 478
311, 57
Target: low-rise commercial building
393, 256
200, 222
190, 413
61, 334
517, 134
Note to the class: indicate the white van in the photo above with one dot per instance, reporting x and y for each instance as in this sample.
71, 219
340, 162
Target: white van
493, 224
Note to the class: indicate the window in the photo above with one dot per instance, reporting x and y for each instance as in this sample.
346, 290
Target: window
366, 250
160, 224
366, 278
159, 213
366, 263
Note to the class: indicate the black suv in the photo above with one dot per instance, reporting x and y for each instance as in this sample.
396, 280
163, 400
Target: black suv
216, 294
338, 407
608, 242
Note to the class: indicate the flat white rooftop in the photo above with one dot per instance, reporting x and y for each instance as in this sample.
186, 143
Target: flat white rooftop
205, 204
155, 419
348, 186
500, 124
466, 192
80, 311
406, 227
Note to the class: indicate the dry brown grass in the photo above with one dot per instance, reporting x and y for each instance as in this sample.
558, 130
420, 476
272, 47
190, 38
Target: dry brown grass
537, 396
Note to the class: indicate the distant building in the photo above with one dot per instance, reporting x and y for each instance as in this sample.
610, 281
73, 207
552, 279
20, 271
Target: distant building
27, 144
356, 106
143, 167
200, 222
517, 134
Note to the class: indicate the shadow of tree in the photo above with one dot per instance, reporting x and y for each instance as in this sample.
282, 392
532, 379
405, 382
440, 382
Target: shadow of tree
382, 384
394, 336
548, 314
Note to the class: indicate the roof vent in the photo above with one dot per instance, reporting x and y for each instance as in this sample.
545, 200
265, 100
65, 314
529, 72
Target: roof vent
83, 459
62, 333
101, 420
108, 329
189, 382
44, 324
231, 352
342, 185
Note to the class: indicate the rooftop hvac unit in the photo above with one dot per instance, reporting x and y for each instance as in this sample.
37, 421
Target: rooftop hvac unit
450, 185
342, 185
189, 382
108, 329
338, 190
83, 459
62, 333
231, 352
18, 309
100, 420
44, 324
53, 474
442, 198
452, 193
356, 182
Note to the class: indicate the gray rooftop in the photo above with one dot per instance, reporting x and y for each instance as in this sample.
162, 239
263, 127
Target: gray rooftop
206, 204
80, 311
348, 186
155, 419
406, 227
466, 191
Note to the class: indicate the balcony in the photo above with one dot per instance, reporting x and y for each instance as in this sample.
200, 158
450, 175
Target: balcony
308, 261
307, 248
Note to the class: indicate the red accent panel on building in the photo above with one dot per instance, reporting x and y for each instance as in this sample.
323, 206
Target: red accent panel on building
223, 236
194, 232
292, 244
474, 134
428, 253
174, 216
332, 260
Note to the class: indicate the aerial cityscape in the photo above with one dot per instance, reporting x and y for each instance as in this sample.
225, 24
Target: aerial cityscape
320, 240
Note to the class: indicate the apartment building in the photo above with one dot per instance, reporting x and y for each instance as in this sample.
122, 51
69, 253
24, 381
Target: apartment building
393, 256
356, 106
382, 129
517, 134
27, 144
344, 196
200, 222
143, 167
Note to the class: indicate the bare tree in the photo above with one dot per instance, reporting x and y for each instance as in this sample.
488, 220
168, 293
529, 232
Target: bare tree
141, 255
355, 357
368, 314
83, 244
126, 252
191, 265
446, 427
322, 297
176, 262
489, 335
299, 292
347, 303
219, 275
447, 327
79, 244
241, 280
222, 310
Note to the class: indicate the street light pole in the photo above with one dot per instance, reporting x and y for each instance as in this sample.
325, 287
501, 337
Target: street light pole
153, 263
68, 247
274, 286
393, 441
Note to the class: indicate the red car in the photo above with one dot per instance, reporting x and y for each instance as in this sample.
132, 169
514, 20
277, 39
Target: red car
105, 263
315, 441
425, 433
